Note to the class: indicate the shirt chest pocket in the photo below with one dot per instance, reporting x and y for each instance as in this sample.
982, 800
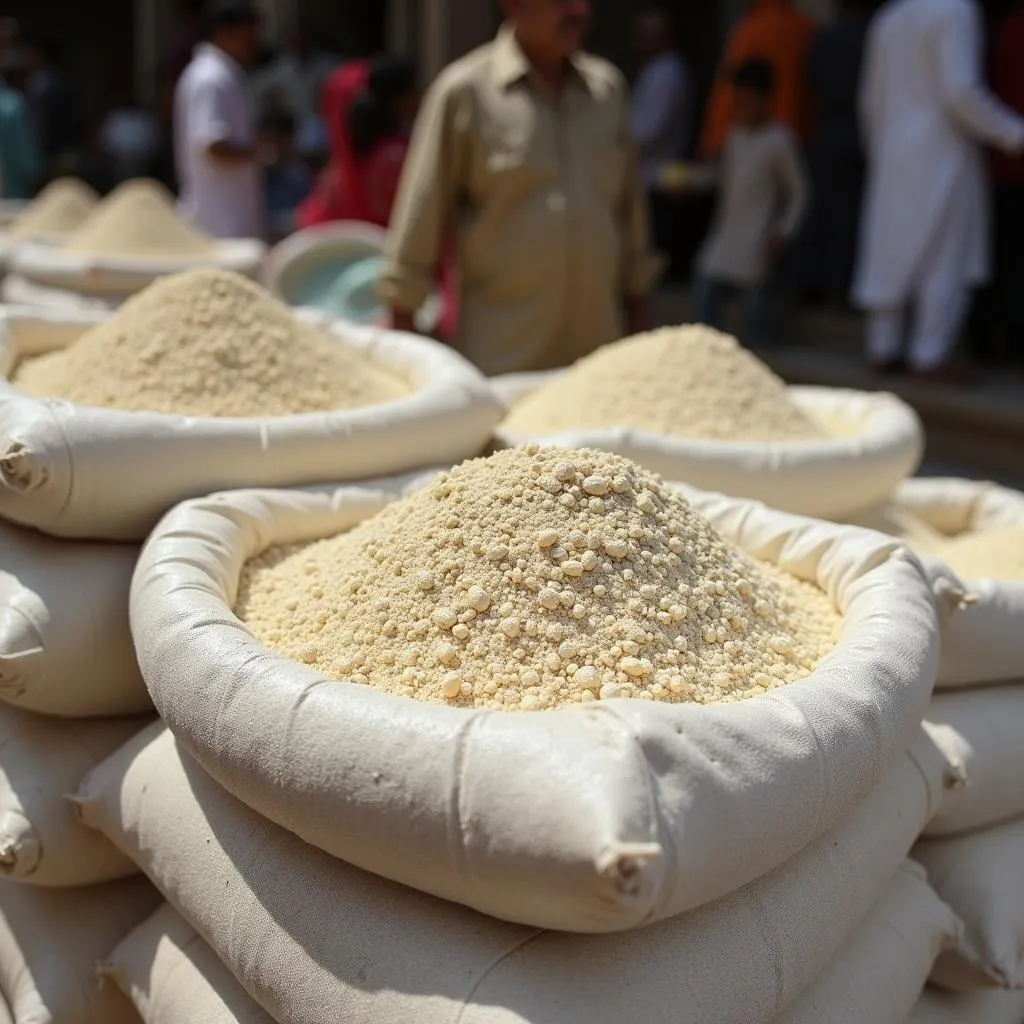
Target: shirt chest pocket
515, 151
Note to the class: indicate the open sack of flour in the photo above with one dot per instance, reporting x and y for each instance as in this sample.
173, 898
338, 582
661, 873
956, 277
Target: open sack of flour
65, 644
313, 939
981, 876
777, 667
130, 239
51, 943
42, 761
205, 381
693, 405
972, 531
49, 218
173, 977
878, 975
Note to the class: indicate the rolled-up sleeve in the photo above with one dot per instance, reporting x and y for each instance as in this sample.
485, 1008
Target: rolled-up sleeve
424, 204
640, 265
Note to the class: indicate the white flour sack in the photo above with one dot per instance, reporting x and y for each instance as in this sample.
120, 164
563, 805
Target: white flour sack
981, 539
42, 760
990, 1007
599, 813
981, 876
982, 729
127, 241
314, 939
65, 644
173, 977
16, 290
693, 405
223, 364
878, 974
51, 943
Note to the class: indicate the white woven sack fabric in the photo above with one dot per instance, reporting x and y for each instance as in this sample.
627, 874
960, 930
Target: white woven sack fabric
982, 729
881, 442
75, 471
173, 977
17, 290
314, 939
122, 276
65, 643
878, 974
981, 876
985, 643
989, 1007
594, 818
51, 942
42, 760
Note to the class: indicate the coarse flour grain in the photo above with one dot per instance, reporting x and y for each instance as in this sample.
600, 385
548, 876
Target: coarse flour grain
209, 343
138, 219
58, 210
536, 578
678, 381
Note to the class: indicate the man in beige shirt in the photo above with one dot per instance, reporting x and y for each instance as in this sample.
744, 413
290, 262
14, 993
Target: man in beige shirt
524, 149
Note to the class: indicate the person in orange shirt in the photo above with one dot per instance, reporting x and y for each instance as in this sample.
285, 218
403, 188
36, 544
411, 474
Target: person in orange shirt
774, 31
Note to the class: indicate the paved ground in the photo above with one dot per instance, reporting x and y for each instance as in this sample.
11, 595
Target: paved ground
973, 432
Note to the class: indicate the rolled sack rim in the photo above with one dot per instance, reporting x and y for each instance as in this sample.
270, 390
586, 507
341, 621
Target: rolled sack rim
899, 660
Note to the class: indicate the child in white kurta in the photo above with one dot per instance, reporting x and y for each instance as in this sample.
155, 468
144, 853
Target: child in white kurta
762, 201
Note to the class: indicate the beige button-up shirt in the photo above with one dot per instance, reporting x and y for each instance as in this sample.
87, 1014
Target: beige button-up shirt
543, 191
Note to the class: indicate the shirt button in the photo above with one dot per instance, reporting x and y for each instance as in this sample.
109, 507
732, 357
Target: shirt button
556, 202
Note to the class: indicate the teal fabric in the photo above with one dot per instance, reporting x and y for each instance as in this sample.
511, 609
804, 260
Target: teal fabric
20, 162
354, 293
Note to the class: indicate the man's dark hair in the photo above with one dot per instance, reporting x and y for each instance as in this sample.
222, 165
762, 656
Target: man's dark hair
229, 14
755, 74
370, 118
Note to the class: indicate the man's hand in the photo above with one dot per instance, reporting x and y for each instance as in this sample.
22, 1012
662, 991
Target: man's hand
638, 314
402, 321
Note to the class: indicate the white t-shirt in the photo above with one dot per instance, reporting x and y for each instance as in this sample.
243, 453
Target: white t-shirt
212, 103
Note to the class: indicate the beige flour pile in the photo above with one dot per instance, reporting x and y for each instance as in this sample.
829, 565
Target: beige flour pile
535, 578
209, 343
987, 554
58, 210
138, 219
680, 381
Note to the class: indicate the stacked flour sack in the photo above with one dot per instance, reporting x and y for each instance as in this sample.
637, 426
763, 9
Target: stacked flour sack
127, 240
692, 404
71, 695
974, 849
201, 381
535, 738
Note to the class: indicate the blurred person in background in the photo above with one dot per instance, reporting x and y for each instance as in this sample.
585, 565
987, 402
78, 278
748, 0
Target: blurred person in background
835, 155
524, 150
55, 110
129, 135
369, 109
761, 203
215, 139
294, 79
10, 36
286, 177
776, 32
662, 96
20, 161
924, 241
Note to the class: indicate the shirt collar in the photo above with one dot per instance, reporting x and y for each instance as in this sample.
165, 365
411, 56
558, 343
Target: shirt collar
510, 65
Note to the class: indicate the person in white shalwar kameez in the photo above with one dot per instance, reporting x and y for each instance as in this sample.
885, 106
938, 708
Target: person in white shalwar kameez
924, 234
